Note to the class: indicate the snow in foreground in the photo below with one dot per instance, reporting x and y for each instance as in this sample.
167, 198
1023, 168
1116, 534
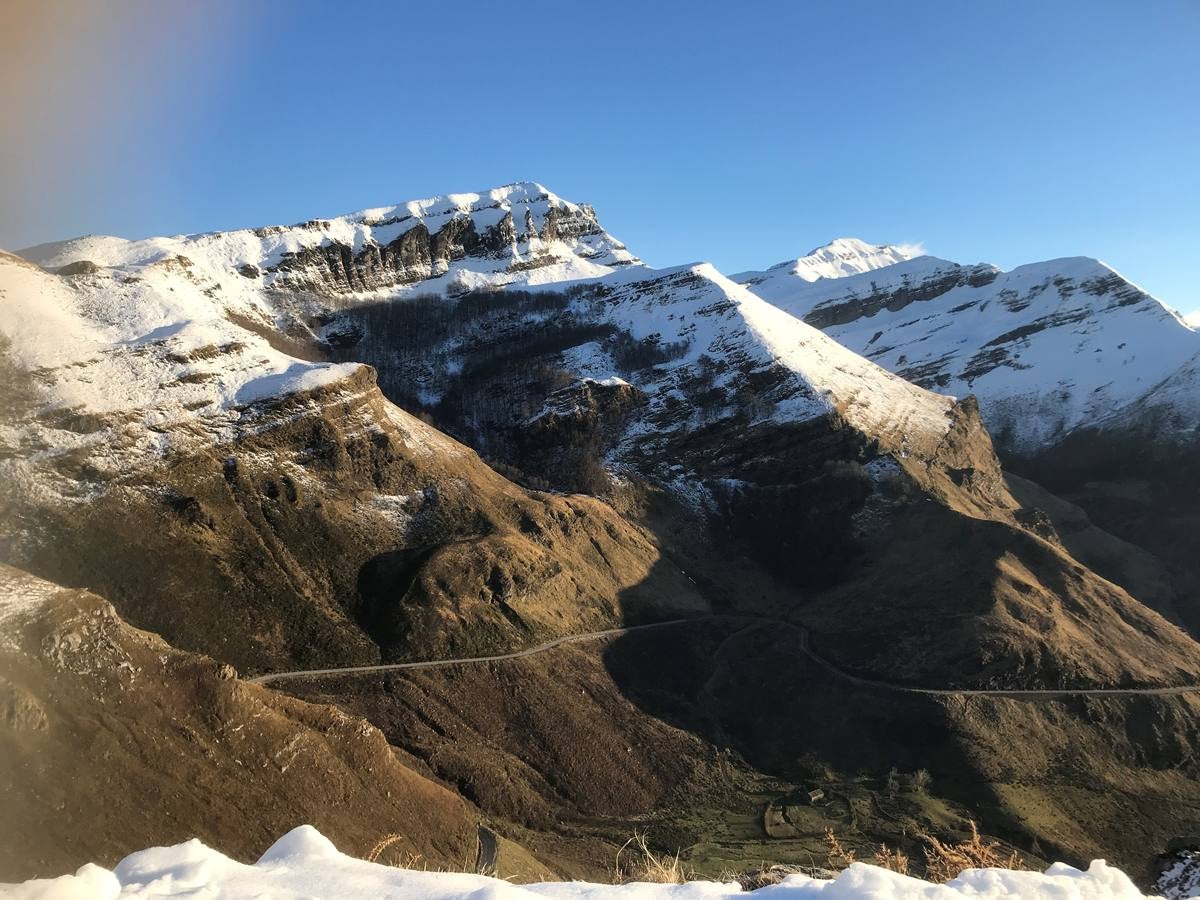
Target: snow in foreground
303, 863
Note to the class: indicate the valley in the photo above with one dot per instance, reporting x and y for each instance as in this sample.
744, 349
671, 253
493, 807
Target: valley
769, 726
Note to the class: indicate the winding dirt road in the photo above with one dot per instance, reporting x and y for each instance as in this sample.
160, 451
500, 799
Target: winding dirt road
870, 683
438, 663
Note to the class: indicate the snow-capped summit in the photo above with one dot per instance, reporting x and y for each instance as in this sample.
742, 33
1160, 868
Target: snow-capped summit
1046, 348
849, 256
518, 194
837, 259
516, 234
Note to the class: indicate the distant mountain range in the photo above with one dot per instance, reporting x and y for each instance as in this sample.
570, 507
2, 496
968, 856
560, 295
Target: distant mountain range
1047, 348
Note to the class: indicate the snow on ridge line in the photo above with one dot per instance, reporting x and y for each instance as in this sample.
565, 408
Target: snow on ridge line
1089, 265
837, 259
304, 864
820, 360
1045, 347
870, 396
264, 246
519, 192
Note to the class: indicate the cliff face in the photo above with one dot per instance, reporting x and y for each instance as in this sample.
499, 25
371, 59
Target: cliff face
520, 240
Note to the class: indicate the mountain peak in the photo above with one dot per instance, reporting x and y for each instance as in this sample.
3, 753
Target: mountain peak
849, 256
839, 258
517, 194
515, 233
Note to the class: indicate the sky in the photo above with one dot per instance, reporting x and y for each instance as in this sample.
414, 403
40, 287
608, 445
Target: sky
739, 133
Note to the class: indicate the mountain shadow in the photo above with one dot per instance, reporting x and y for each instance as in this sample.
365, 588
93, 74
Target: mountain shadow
1064, 778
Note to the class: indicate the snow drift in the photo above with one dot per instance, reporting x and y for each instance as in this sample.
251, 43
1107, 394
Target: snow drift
303, 863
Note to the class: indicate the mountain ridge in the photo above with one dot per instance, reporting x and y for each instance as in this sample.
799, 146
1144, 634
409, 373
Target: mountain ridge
1047, 346
835, 259
520, 229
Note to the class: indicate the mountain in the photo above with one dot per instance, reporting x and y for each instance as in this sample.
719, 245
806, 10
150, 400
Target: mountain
456, 428
517, 234
1089, 385
112, 739
203, 399
285, 278
676, 378
1046, 348
837, 259
264, 509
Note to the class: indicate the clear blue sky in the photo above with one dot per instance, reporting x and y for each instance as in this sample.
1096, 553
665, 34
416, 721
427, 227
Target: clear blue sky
742, 133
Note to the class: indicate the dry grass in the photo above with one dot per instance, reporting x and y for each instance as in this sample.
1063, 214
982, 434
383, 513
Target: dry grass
409, 861
944, 862
895, 860
837, 857
637, 862
382, 844
489, 871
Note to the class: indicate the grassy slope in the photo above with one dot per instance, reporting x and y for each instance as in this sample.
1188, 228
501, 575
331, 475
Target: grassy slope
113, 741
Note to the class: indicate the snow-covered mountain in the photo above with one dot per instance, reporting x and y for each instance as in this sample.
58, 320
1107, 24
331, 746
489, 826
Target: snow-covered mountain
372, 438
179, 377
512, 235
184, 333
837, 259
1047, 348
215, 321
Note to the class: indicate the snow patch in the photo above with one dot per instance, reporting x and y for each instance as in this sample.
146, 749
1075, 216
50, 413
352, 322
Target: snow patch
304, 864
1180, 878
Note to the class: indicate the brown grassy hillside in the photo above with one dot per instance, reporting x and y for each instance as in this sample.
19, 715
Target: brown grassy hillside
111, 741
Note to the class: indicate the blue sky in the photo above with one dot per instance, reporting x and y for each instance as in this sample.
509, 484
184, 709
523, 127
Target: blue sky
739, 133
